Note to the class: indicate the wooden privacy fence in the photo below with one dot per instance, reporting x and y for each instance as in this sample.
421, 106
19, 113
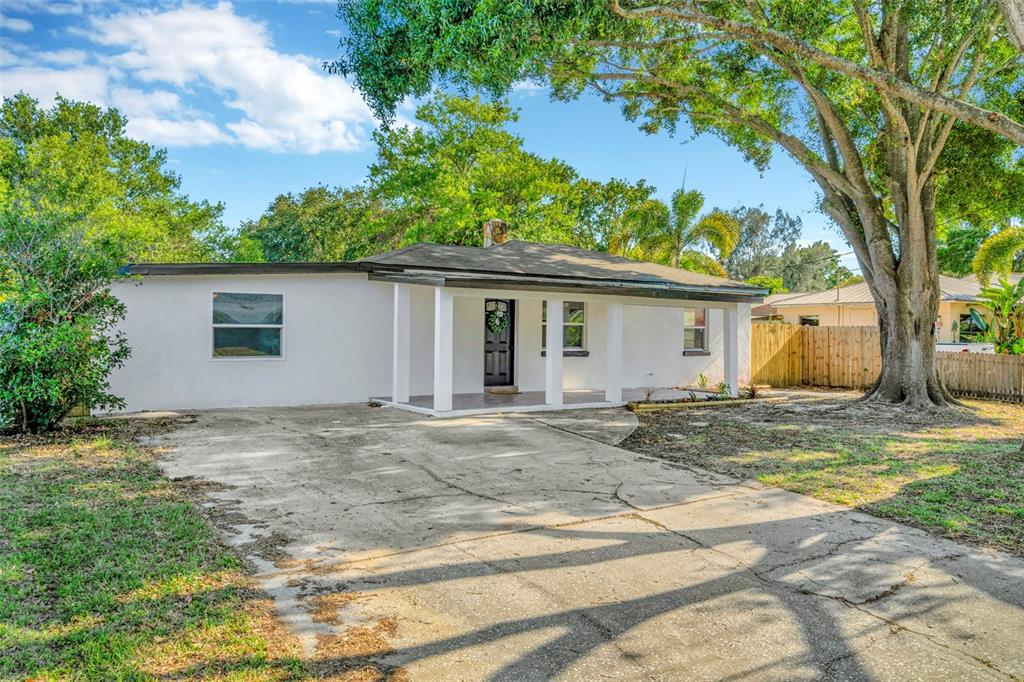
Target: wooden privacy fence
784, 355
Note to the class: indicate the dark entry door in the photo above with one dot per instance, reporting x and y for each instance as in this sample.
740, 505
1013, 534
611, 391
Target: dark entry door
499, 339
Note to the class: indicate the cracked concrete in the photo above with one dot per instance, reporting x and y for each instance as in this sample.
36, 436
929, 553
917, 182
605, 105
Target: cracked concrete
506, 548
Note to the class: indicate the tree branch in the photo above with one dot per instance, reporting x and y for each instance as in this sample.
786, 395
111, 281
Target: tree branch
792, 144
884, 82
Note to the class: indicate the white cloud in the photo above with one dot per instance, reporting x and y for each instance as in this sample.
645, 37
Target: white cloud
287, 102
160, 117
63, 57
66, 7
528, 87
16, 25
82, 83
167, 132
8, 58
159, 65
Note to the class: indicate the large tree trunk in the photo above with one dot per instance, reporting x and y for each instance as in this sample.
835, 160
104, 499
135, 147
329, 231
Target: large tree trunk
907, 298
907, 311
1013, 14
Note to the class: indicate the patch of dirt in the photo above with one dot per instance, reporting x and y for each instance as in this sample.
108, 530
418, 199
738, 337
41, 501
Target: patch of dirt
198, 487
325, 606
269, 548
124, 429
354, 656
816, 414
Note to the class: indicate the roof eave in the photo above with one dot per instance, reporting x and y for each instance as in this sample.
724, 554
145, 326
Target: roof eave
605, 287
153, 269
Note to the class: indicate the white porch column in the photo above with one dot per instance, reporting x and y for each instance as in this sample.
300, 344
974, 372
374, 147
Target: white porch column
444, 332
743, 321
613, 353
554, 360
401, 348
731, 349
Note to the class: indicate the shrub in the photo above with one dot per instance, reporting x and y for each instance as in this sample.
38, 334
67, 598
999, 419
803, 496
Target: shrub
1005, 328
58, 338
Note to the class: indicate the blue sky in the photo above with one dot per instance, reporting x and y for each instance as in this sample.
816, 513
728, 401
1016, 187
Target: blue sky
236, 94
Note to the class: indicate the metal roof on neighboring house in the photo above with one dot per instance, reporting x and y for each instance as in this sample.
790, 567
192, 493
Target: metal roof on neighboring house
952, 290
510, 265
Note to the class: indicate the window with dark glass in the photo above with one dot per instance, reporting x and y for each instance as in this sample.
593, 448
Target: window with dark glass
969, 329
573, 325
247, 325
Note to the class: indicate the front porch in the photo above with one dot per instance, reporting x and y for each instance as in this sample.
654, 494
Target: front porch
627, 346
466, 404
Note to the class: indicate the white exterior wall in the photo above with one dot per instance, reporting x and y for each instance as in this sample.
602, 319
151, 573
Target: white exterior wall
468, 367
337, 337
652, 345
336, 343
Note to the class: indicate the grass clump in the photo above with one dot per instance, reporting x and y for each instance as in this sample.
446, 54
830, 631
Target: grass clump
108, 572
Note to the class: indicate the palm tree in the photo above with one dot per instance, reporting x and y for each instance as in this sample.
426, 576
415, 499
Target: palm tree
635, 229
677, 234
998, 252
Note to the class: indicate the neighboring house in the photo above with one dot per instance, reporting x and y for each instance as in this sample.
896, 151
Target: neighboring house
437, 329
854, 305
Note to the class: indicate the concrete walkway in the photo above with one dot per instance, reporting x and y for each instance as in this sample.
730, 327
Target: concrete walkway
502, 548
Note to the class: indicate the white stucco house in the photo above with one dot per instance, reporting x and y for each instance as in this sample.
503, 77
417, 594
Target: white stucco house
444, 330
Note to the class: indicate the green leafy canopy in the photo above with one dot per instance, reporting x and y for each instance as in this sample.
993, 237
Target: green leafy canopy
75, 164
439, 181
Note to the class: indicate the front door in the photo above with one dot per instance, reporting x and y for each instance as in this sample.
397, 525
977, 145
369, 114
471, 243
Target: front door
499, 339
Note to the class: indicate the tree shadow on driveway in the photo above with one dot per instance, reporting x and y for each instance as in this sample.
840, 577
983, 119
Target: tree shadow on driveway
676, 573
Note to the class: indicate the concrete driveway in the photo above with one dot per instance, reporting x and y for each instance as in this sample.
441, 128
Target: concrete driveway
506, 548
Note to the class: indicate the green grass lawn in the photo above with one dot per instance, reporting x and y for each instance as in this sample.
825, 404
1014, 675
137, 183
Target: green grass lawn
108, 572
960, 475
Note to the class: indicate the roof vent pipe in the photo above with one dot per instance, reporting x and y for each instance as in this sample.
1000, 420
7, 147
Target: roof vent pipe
495, 232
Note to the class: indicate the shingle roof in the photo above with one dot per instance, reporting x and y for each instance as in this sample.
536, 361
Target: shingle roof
952, 290
512, 265
546, 260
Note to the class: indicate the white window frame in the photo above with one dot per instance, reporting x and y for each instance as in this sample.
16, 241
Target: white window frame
707, 340
248, 358
583, 325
